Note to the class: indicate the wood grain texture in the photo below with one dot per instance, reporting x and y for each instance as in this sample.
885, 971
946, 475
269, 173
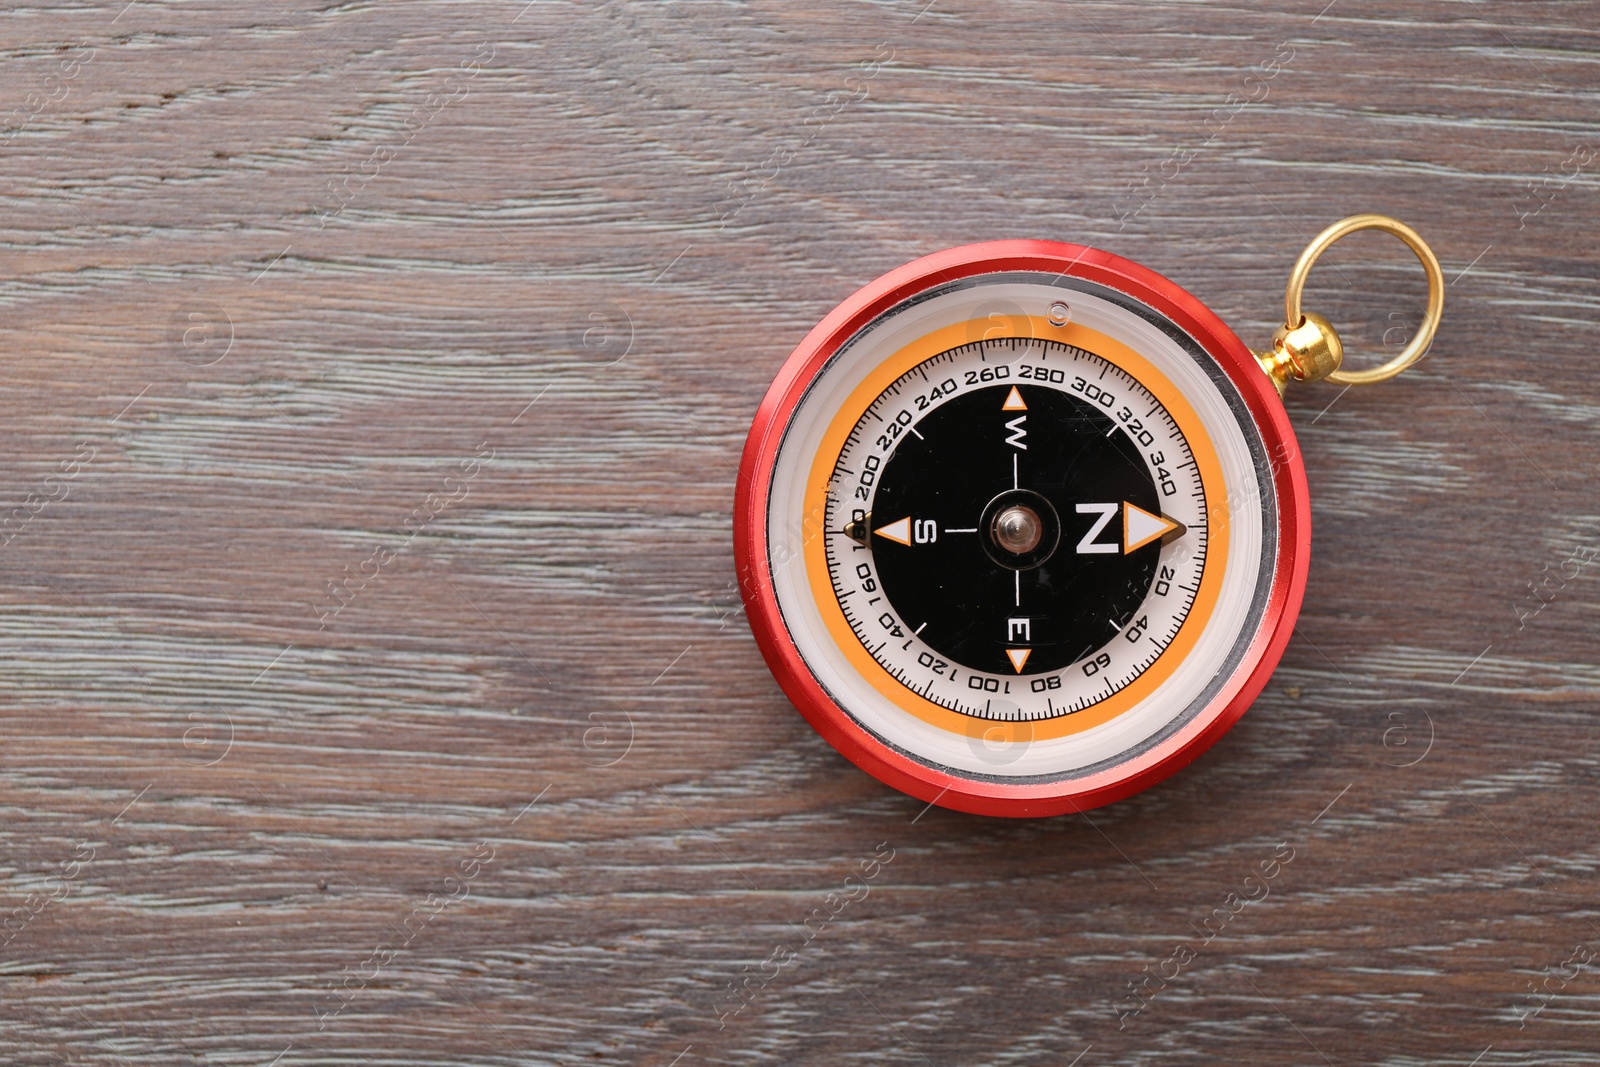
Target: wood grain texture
467, 307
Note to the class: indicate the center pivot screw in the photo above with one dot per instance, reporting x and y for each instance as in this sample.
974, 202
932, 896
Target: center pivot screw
1017, 529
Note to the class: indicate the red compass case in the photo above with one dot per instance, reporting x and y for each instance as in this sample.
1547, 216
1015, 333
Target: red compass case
1022, 528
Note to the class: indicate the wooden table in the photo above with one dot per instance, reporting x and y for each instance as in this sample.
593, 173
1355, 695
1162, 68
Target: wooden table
377, 686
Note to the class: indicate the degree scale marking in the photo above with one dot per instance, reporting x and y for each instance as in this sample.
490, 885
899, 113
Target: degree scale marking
1192, 563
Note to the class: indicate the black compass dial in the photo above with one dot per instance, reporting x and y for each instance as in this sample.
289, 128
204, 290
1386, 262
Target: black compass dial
1000, 528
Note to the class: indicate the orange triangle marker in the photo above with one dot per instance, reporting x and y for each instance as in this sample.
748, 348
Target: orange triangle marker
1140, 527
899, 530
1013, 401
1018, 656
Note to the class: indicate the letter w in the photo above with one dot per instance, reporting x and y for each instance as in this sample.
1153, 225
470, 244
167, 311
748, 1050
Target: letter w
1017, 432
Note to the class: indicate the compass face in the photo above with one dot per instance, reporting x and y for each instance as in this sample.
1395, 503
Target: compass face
1027, 542
1007, 553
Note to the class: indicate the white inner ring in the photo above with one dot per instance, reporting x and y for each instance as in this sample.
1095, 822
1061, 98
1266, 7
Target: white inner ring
973, 752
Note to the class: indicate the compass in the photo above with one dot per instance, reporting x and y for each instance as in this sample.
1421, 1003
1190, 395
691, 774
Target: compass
1023, 528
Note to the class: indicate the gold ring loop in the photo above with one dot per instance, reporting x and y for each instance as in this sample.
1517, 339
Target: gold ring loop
1293, 317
